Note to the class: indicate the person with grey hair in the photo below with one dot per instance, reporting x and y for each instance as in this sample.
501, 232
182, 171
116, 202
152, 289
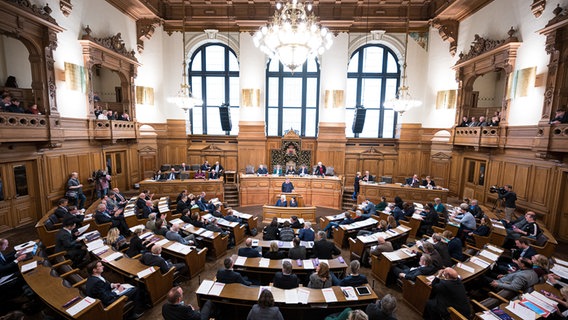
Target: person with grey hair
425, 268
353, 280
286, 279
324, 249
383, 309
174, 235
307, 233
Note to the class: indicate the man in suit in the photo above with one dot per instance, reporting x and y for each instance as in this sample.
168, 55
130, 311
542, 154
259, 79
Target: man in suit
116, 219
99, 288
473, 122
261, 170
522, 280
218, 168
173, 235
368, 177
303, 171
442, 249
61, 209
307, 233
324, 249
369, 207
205, 167
287, 186
248, 251
75, 215
183, 167
448, 291
319, 170
282, 202
286, 279
228, 275
424, 268
382, 246
428, 182
65, 241
147, 209
353, 280
560, 117
429, 249
297, 251
158, 176
9, 262
172, 175
475, 209
414, 181
154, 259
176, 309
141, 201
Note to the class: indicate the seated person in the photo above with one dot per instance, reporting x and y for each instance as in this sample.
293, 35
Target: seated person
271, 232
116, 219
295, 222
466, 220
382, 205
290, 170
560, 117
172, 175
286, 233
529, 229
475, 209
382, 246
483, 229
447, 291
161, 227
151, 223
99, 288
287, 186
218, 169
274, 252
227, 275
414, 181
154, 259
353, 280
261, 170
320, 279
439, 206
319, 170
159, 176
367, 177
175, 308
174, 235
324, 249
442, 249
424, 268
11, 287
265, 308
282, 202
298, 251
333, 224
277, 170
248, 250
65, 240
148, 208
382, 309
213, 175
286, 279
116, 240
454, 245
368, 207
307, 233
521, 280
428, 182
303, 171
136, 245
199, 174
430, 219
205, 167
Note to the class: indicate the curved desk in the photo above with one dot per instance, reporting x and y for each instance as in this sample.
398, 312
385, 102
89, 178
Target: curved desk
171, 188
374, 192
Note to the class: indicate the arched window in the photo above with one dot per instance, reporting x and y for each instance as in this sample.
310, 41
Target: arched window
292, 98
214, 76
372, 78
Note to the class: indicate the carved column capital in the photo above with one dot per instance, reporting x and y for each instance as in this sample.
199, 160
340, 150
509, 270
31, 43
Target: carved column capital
537, 7
145, 29
448, 30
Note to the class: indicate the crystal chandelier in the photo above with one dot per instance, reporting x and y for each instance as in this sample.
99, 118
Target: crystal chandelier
293, 35
403, 101
184, 99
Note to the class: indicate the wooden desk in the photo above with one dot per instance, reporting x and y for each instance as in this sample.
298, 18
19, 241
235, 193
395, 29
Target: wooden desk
261, 190
362, 243
249, 218
283, 245
344, 231
306, 213
235, 228
171, 188
252, 268
236, 299
374, 192
50, 290
215, 241
289, 195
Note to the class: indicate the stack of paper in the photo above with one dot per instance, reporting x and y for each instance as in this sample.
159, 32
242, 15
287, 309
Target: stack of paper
521, 311
264, 263
78, 307
162, 242
329, 295
29, 266
205, 287
303, 295
240, 261
113, 256
176, 221
349, 293
308, 264
95, 244
466, 268
291, 296
489, 255
180, 248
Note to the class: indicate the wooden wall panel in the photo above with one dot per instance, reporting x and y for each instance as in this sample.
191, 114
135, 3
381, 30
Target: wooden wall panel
440, 172
521, 181
56, 174
540, 183
494, 174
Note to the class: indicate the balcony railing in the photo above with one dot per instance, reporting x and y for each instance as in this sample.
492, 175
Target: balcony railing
477, 136
20, 127
559, 138
114, 130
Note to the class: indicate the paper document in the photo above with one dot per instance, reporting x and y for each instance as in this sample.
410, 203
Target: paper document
303, 296
521, 311
392, 256
24, 245
29, 266
466, 268
489, 255
101, 250
409, 252
494, 249
180, 248
78, 307
113, 256
349, 293
140, 226
125, 288
216, 289
162, 242
291, 296
329, 295
240, 261
145, 272
175, 221
308, 264
205, 287
146, 235
264, 263
479, 262
95, 244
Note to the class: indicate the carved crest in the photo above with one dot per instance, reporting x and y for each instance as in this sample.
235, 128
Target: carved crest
42, 12
114, 43
481, 45
212, 147
441, 156
372, 150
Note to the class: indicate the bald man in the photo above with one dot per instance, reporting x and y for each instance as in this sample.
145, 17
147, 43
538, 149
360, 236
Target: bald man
248, 251
447, 291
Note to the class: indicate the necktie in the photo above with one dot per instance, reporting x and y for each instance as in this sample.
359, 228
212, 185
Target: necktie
2, 258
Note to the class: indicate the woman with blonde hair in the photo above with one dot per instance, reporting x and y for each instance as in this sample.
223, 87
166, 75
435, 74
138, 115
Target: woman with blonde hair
274, 253
116, 240
320, 279
383, 225
392, 223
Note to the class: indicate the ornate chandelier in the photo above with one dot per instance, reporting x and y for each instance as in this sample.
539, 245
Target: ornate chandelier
293, 35
403, 101
184, 99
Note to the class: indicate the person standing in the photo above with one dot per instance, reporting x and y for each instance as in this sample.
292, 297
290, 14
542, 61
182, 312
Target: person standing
356, 185
287, 186
510, 199
75, 190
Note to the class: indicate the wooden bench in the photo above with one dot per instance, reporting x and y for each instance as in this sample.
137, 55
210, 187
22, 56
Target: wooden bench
45, 235
306, 213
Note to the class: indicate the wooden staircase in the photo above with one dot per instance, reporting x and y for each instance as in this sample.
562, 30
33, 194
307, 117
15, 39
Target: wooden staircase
231, 196
347, 202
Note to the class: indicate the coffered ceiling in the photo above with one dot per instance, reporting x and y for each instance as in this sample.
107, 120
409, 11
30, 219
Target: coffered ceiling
337, 15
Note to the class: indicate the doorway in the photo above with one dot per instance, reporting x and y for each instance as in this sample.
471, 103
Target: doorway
18, 195
474, 185
116, 168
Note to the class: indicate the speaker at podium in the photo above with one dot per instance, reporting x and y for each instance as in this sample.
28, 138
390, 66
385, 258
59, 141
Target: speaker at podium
359, 119
225, 116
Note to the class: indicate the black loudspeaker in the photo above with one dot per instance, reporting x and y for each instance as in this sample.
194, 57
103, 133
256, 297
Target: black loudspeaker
359, 120
225, 115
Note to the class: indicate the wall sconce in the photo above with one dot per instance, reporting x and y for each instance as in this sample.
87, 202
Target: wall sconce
250, 98
333, 99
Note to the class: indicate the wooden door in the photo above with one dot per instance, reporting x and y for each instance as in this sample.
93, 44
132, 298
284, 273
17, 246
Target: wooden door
18, 202
562, 217
116, 167
474, 184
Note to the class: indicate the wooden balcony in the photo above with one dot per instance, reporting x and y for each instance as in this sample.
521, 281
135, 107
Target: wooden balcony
477, 136
113, 130
552, 138
20, 127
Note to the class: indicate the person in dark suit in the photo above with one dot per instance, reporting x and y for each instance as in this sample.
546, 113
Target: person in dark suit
282, 202
183, 167
274, 252
368, 177
448, 291
442, 249
271, 232
176, 309
218, 168
428, 182
136, 244
475, 209
356, 186
155, 259
414, 181
172, 175
228, 275
117, 219
147, 209
454, 245
141, 201
61, 208
286, 279
13, 282
9, 262
120, 198
294, 221
560, 116
206, 167
248, 251
424, 268
290, 171
158, 176
303, 171
354, 279
369, 207
298, 251
324, 249
319, 170
307, 233
287, 186
65, 241
383, 309
261, 169
99, 288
